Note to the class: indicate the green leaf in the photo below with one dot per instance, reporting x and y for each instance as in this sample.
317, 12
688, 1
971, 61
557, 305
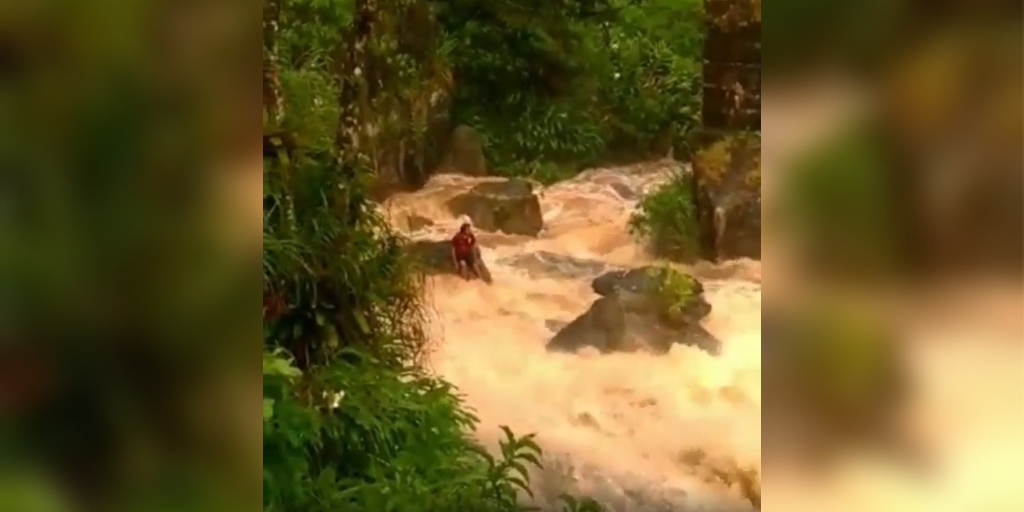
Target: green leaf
361, 320
268, 408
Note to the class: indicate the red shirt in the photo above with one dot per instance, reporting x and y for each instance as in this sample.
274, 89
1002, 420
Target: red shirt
463, 244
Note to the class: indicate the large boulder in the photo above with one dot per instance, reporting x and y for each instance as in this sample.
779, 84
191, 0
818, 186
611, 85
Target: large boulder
648, 308
433, 256
603, 327
465, 153
416, 222
727, 196
675, 297
509, 206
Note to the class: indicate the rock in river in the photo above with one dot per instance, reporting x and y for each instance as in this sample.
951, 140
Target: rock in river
727, 194
648, 308
435, 257
465, 153
510, 206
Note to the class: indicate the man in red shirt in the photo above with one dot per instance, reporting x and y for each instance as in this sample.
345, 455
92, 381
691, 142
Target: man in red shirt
464, 251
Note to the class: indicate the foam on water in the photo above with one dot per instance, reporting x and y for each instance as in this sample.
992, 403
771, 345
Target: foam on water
675, 432
629, 424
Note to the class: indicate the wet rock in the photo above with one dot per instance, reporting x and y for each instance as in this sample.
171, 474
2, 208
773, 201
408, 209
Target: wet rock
435, 257
649, 308
432, 255
603, 327
673, 296
465, 153
734, 270
624, 192
509, 206
554, 325
549, 264
727, 195
417, 222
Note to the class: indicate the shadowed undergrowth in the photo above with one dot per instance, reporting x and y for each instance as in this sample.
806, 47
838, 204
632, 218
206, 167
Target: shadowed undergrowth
352, 420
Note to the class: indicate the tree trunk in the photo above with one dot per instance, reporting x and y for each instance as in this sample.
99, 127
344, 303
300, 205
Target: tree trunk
731, 67
273, 102
359, 83
276, 142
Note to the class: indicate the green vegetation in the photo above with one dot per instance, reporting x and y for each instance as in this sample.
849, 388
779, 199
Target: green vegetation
737, 153
358, 97
551, 87
674, 292
352, 421
667, 219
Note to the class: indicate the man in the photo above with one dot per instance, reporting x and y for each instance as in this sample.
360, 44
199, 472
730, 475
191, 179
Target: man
464, 252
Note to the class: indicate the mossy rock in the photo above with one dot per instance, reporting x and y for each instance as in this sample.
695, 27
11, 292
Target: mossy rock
648, 308
602, 326
466, 153
677, 296
674, 297
727, 196
731, 15
509, 206
731, 158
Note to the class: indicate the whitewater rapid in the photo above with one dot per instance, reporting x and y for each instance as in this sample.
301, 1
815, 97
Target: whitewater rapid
682, 431
637, 431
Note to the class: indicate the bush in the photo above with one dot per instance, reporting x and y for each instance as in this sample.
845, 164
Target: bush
386, 440
667, 220
352, 421
575, 85
674, 291
738, 152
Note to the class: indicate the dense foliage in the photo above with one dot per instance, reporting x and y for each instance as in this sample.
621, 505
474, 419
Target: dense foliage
357, 95
667, 220
550, 86
577, 83
351, 420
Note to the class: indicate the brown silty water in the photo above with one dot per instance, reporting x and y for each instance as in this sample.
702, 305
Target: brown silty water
626, 426
682, 431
